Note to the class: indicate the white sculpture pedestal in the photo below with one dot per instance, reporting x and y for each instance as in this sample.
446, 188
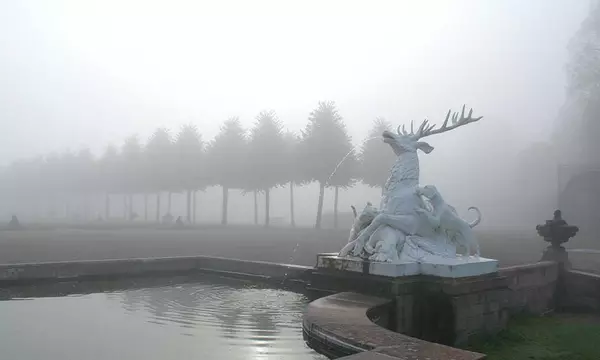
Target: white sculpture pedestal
458, 267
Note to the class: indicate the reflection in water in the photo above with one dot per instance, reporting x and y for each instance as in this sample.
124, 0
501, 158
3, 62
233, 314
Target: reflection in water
208, 320
264, 319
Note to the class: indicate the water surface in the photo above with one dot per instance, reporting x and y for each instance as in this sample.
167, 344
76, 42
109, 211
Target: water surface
203, 320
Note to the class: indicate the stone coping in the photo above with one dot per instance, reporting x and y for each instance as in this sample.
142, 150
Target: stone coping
340, 324
11, 274
526, 267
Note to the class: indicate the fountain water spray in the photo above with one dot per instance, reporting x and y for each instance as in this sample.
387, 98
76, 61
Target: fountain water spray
346, 156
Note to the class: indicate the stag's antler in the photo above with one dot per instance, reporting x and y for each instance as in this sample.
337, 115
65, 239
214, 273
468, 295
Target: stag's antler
426, 129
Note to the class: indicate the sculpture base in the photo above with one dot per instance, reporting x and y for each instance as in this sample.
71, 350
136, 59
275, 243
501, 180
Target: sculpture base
447, 268
558, 254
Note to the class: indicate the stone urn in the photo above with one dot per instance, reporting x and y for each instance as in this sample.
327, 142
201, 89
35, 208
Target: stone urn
556, 232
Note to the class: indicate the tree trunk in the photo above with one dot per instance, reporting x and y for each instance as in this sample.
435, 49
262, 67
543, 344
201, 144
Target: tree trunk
255, 208
267, 203
189, 206
225, 201
158, 207
335, 208
194, 208
145, 207
169, 203
292, 219
106, 206
320, 205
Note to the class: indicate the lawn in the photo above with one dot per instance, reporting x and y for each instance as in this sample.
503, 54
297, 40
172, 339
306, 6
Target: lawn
565, 337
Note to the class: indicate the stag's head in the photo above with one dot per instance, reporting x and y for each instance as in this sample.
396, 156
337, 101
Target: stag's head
404, 141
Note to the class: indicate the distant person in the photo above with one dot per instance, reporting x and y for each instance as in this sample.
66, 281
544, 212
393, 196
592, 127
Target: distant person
14, 224
179, 221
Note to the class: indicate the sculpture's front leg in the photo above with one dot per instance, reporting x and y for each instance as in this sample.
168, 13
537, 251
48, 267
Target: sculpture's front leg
346, 249
365, 234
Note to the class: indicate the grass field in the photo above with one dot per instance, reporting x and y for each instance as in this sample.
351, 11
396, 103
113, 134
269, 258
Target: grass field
565, 337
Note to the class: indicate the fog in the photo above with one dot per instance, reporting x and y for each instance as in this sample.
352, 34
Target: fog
87, 74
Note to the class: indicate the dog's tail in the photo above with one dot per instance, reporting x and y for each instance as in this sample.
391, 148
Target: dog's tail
353, 210
478, 220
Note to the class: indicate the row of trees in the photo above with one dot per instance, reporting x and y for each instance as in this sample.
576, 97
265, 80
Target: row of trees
256, 161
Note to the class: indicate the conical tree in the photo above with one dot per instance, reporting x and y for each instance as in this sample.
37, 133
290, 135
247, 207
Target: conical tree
294, 173
376, 159
53, 182
189, 150
325, 143
86, 174
159, 155
69, 168
227, 160
267, 155
109, 174
131, 171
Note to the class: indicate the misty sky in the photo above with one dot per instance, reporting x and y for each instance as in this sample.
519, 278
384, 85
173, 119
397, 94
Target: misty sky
88, 73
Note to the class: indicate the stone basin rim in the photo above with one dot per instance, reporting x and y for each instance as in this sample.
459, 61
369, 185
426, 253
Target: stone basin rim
342, 325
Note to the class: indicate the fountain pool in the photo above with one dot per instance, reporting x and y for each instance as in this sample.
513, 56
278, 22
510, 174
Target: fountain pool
208, 318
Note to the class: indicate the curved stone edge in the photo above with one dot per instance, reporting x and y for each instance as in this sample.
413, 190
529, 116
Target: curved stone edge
340, 325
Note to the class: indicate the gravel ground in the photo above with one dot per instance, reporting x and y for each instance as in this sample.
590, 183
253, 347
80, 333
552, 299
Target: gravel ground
284, 245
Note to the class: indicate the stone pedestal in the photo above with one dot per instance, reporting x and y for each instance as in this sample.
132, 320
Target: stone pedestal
445, 302
445, 267
558, 254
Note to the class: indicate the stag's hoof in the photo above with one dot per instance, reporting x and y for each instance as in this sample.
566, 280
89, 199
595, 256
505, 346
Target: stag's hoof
358, 249
359, 245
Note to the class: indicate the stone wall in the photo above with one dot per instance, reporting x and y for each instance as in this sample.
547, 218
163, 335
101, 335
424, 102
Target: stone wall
478, 306
483, 305
450, 311
531, 288
581, 291
15, 274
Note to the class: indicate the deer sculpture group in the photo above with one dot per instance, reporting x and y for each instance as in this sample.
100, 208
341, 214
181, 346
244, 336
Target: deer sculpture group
405, 227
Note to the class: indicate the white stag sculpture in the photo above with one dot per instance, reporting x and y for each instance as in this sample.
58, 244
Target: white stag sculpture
402, 230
